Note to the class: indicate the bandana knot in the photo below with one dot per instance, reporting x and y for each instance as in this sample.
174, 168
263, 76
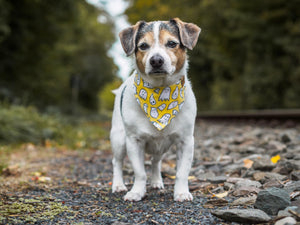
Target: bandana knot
160, 104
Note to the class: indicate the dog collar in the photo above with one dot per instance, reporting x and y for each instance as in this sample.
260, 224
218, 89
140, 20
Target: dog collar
160, 104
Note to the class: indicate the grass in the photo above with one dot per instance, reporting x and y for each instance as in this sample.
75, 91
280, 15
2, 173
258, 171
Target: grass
19, 125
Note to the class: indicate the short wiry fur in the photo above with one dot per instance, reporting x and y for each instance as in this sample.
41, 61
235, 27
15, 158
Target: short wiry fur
159, 52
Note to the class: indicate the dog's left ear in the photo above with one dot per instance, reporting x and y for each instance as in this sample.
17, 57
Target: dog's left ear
128, 36
188, 32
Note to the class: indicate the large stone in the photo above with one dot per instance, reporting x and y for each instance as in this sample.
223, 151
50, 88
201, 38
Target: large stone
272, 200
292, 186
286, 221
242, 215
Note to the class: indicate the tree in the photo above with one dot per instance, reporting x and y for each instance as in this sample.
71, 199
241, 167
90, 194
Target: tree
247, 56
43, 43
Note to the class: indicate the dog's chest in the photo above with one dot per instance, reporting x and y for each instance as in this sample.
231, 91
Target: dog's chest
159, 145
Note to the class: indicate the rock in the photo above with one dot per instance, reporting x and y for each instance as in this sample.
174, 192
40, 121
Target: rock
286, 221
228, 186
285, 212
272, 200
244, 190
242, 215
247, 183
292, 186
245, 201
205, 176
234, 179
285, 138
272, 183
263, 164
265, 176
217, 179
287, 166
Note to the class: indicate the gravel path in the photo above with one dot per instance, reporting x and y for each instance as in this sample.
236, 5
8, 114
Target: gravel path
234, 163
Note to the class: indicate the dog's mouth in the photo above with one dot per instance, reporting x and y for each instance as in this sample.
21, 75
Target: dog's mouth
158, 72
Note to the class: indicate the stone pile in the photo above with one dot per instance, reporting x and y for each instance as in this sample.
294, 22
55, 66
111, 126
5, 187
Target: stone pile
254, 169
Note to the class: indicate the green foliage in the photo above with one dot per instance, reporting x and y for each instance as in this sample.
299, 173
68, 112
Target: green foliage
44, 43
25, 124
247, 56
106, 97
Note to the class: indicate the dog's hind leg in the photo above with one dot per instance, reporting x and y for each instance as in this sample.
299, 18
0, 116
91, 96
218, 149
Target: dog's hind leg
119, 150
156, 179
118, 145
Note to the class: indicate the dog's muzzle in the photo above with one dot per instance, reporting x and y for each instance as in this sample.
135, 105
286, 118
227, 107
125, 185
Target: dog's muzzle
157, 63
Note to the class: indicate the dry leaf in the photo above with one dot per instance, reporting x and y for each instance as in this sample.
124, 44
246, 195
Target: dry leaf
248, 163
275, 159
174, 177
221, 195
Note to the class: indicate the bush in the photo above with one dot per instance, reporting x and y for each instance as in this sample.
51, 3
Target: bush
20, 124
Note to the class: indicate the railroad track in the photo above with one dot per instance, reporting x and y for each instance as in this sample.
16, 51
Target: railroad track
279, 114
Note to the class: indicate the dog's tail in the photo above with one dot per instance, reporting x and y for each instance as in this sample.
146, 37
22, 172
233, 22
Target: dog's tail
115, 91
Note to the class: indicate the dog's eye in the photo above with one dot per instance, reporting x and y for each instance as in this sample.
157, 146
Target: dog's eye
171, 44
144, 46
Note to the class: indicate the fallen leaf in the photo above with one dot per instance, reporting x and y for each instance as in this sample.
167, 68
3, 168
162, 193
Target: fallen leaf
248, 163
275, 159
221, 195
174, 177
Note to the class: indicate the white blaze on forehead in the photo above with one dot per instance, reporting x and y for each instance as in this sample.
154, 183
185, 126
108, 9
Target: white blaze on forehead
156, 26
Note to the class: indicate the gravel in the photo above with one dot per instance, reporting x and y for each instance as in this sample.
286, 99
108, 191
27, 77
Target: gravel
232, 165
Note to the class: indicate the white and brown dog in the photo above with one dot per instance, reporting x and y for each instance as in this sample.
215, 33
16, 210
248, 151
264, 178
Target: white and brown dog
159, 52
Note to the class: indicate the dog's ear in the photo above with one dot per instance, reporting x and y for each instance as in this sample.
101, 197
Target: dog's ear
188, 32
128, 36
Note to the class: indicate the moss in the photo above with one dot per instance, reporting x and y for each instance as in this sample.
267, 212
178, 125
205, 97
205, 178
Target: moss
32, 210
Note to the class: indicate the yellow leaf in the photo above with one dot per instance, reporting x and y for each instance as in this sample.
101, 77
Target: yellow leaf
191, 178
248, 163
221, 195
174, 177
275, 159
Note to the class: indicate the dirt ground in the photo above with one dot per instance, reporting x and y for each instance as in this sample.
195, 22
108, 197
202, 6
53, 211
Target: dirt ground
56, 185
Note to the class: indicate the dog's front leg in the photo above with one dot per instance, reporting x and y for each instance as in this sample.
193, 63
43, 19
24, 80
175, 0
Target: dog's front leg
185, 152
135, 151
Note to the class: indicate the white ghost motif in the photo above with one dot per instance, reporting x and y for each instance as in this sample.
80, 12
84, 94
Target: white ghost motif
181, 92
162, 107
147, 84
175, 93
138, 80
180, 105
165, 94
165, 119
152, 100
174, 112
143, 94
172, 105
153, 112
134, 89
145, 106
157, 125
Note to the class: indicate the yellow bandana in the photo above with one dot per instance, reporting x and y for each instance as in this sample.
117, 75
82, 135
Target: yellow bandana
160, 104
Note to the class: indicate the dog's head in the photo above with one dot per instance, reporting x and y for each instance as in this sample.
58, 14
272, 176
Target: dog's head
160, 46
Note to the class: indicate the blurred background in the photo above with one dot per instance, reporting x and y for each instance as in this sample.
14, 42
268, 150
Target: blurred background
59, 60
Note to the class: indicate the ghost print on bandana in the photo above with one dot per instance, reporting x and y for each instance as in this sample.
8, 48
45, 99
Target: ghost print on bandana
160, 104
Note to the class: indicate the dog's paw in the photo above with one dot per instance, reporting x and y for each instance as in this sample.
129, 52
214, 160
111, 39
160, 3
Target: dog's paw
119, 188
181, 197
157, 185
133, 196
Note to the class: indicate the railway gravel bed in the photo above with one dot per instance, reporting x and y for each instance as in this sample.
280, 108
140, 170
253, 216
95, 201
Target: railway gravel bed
238, 166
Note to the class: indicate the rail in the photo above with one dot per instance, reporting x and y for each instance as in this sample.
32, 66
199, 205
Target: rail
252, 114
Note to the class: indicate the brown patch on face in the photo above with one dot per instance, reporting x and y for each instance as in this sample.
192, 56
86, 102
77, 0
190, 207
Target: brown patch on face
176, 54
141, 55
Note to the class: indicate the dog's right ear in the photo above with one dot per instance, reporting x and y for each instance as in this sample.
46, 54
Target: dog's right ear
128, 37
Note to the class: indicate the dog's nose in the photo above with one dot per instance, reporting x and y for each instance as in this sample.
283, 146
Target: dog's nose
156, 61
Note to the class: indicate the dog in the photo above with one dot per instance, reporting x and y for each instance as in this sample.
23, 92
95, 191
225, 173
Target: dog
155, 108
